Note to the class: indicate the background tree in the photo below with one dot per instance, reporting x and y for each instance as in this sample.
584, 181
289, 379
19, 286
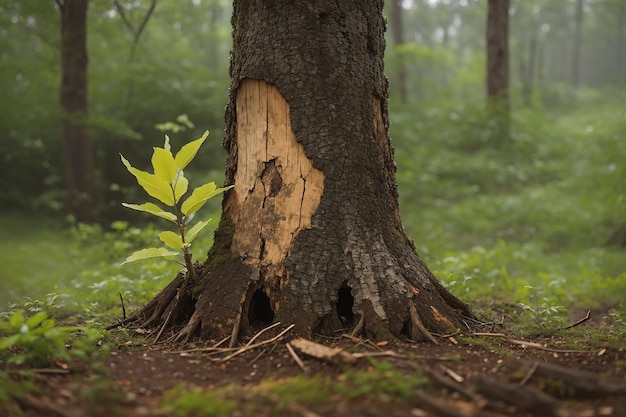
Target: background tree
578, 39
498, 52
498, 66
78, 150
397, 29
311, 232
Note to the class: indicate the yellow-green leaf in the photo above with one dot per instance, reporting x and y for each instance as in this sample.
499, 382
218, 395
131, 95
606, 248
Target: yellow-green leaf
150, 253
153, 185
193, 232
164, 165
166, 145
171, 239
153, 209
189, 151
181, 186
200, 196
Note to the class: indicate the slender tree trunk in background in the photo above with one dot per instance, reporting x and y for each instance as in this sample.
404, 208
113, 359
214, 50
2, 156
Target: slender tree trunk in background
216, 16
397, 31
527, 69
578, 34
498, 64
311, 232
620, 45
78, 151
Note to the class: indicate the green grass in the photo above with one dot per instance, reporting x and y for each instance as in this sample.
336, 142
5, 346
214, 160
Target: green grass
522, 222
35, 257
49, 265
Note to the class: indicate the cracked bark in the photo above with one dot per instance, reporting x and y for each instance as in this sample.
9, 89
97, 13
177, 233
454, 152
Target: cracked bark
311, 232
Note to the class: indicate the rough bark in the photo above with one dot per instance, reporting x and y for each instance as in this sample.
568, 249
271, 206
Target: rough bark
311, 232
78, 158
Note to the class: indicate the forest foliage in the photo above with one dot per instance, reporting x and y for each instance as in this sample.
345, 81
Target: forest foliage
519, 222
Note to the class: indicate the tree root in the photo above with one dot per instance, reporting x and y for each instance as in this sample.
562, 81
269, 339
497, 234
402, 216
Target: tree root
189, 330
417, 327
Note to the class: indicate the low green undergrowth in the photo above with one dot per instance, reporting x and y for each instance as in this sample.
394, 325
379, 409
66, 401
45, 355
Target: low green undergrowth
381, 382
518, 227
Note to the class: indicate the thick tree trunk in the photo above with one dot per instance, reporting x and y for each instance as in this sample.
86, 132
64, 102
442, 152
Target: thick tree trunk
78, 157
311, 232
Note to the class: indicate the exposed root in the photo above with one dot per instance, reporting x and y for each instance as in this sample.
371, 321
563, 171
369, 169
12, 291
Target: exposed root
417, 327
190, 328
235, 333
155, 308
358, 329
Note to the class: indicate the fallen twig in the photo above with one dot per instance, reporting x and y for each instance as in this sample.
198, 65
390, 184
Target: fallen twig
256, 345
296, 358
584, 319
529, 374
123, 307
526, 343
256, 336
47, 408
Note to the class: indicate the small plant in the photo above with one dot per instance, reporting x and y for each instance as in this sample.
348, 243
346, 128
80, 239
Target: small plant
168, 184
544, 313
37, 340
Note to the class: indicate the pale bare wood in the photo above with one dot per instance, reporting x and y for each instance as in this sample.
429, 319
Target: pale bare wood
322, 352
277, 187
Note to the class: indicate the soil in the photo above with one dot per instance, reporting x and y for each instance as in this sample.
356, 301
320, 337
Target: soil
133, 379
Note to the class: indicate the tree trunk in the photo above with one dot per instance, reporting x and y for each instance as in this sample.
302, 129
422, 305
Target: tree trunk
397, 32
578, 36
498, 51
527, 68
498, 65
78, 157
311, 232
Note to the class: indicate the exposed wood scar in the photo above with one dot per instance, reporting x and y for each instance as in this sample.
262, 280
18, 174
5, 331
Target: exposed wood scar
277, 188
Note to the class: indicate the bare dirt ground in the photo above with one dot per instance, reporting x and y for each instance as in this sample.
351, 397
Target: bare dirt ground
485, 375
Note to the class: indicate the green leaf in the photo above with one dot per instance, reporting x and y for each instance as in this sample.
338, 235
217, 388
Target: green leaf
153, 185
166, 145
164, 165
189, 151
16, 320
200, 196
183, 119
152, 209
193, 232
7, 342
171, 239
36, 320
150, 253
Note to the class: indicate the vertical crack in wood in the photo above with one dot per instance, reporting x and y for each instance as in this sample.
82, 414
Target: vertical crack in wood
277, 189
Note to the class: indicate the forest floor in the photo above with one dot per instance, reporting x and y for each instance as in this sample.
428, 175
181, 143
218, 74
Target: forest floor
577, 372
